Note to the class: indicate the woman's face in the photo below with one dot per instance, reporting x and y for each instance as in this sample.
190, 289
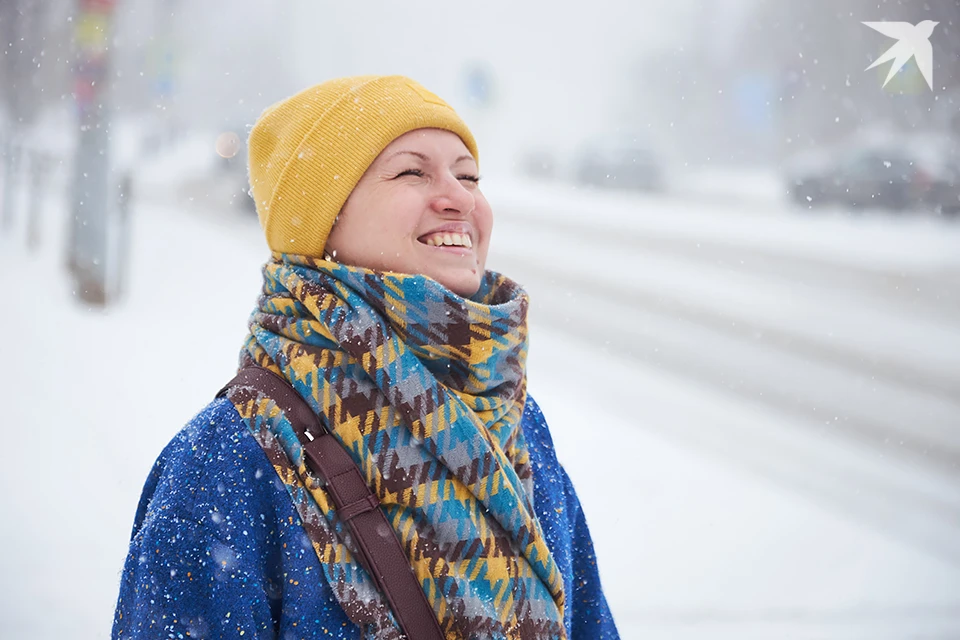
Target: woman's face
418, 209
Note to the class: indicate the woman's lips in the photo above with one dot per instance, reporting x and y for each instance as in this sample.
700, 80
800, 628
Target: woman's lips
447, 240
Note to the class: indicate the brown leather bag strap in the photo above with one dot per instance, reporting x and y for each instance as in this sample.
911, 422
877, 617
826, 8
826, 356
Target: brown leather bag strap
381, 553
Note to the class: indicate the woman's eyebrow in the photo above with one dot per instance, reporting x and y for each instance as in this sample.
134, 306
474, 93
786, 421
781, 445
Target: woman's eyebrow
426, 158
412, 153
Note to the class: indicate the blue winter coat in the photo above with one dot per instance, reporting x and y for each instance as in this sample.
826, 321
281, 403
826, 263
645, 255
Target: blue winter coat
217, 550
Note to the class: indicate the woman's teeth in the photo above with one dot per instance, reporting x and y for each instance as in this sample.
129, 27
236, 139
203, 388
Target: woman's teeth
449, 240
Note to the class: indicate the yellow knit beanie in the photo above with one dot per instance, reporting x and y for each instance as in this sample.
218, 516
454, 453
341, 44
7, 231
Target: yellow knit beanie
307, 152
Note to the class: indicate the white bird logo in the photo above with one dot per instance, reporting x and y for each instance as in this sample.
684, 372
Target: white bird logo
912, 41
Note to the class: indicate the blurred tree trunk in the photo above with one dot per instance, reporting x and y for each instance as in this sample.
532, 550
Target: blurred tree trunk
34, 68
35, 39
21, 29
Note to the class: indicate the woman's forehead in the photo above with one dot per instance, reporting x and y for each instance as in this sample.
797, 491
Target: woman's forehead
427, 144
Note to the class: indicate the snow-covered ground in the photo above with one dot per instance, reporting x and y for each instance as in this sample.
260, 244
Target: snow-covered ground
759, 408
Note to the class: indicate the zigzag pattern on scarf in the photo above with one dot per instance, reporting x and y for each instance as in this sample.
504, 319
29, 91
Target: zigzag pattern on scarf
425, 390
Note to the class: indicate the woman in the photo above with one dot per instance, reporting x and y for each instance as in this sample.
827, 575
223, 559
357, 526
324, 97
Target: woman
377, 308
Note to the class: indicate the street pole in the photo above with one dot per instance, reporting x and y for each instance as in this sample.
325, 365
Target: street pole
11, 156
92, 197
39, 169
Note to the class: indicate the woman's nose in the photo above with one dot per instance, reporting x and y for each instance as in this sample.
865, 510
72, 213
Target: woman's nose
453, 197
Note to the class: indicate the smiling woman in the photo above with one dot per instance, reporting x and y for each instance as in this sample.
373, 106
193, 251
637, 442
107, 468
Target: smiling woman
418, 209
377, 468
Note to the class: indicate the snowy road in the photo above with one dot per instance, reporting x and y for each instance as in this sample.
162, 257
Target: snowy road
778, 397
851, 349
836, 339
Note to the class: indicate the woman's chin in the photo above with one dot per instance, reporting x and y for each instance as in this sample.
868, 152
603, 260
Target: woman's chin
464, 282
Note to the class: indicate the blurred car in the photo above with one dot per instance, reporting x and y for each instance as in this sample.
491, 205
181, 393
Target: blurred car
860, 177
941, 188
895, 175
624, 162
938, 172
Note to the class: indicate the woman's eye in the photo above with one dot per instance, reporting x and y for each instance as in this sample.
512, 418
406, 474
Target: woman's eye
419, 174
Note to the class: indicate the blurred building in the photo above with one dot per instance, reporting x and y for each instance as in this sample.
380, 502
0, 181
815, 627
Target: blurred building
822, 50
762, 79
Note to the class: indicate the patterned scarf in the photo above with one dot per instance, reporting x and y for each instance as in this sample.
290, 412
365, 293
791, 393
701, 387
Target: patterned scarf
425, 390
